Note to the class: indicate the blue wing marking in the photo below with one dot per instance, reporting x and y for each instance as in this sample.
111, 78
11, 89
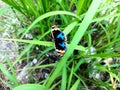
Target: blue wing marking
63, 44
61, 35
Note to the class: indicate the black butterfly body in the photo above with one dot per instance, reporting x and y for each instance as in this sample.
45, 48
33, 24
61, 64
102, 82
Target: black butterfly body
59, 40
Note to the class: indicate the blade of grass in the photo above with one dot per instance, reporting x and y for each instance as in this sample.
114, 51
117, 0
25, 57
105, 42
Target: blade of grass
6, 83
70, 77
103, 55
7, 74
22, 53
80, 6
64, 79
69, 28
105, 17
75, 86
78, 65
44, 43
71, 3
28, 48
45, 51
117, 32
106, 31
29, 87
81, 80
41, 66
109, 44
48, 15
13, 72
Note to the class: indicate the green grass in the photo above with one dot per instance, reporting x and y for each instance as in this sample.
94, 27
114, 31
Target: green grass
85, 26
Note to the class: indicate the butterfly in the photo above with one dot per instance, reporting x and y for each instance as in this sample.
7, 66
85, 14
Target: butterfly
59, 40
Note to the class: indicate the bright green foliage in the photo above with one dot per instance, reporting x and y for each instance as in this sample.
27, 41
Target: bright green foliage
92, 28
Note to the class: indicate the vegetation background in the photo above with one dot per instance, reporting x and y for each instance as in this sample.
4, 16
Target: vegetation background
29, 62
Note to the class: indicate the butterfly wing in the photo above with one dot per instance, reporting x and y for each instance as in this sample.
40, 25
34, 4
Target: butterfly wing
59, 40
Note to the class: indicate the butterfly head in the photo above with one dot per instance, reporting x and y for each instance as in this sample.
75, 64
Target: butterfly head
54, 28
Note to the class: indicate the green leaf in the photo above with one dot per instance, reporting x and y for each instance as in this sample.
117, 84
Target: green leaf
52, 13
7, 74
75, 86
29, 87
